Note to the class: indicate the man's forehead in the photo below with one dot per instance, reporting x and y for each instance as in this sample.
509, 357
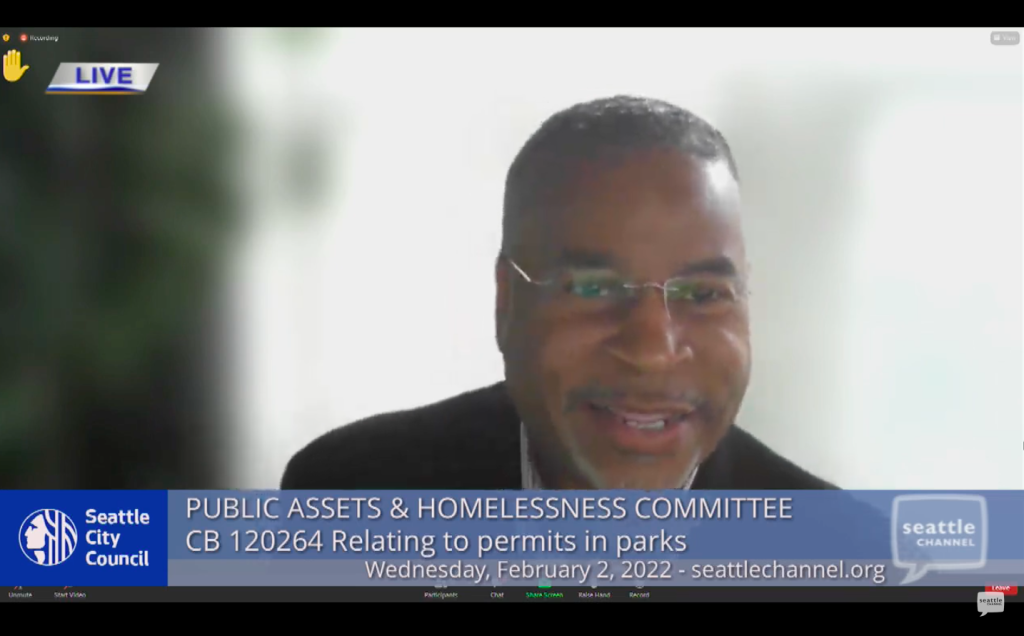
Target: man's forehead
615, 189
659, 171
668, 205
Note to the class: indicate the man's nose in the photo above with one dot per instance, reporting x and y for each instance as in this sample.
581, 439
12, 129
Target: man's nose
649, 339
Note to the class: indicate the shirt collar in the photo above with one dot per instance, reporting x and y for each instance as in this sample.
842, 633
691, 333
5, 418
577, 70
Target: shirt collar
531, 480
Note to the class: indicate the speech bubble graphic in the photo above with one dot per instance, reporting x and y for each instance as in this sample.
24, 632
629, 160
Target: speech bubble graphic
938, 532
990, 602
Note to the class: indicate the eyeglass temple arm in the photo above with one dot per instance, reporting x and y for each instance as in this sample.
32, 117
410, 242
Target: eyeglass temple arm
525, 276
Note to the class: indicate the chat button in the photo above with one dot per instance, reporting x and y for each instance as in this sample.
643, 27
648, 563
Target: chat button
990, 602
939, 532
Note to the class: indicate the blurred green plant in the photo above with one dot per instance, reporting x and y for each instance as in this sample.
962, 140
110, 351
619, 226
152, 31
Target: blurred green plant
117, 213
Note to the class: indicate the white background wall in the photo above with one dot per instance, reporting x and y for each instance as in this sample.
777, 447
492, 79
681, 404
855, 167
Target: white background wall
883, 177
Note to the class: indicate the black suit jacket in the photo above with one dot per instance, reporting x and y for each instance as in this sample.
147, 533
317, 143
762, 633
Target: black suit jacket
471, 442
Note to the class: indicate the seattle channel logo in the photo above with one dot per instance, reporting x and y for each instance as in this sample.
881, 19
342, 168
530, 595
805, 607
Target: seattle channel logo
48, 537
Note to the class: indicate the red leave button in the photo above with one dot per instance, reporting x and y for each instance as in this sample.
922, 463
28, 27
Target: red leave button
1007, 590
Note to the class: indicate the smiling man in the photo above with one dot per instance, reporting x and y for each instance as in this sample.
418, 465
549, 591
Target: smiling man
622, 317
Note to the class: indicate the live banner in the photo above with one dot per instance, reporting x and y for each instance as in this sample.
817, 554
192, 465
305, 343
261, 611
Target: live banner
512, 538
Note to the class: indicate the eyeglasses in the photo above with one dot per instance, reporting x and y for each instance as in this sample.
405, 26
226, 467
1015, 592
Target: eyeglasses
601, 288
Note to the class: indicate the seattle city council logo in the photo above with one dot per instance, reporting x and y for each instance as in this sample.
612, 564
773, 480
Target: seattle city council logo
48, 537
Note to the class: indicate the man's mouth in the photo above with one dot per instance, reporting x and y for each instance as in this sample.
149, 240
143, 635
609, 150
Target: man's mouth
647, 429
646, 418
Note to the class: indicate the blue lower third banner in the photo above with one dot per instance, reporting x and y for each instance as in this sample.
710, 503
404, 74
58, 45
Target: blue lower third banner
516, 538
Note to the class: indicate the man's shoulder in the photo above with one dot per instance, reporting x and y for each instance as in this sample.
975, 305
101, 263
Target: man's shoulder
467, 441
743, 462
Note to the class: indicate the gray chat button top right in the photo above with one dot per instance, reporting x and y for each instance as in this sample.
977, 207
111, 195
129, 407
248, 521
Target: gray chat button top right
1005, 38
990, 602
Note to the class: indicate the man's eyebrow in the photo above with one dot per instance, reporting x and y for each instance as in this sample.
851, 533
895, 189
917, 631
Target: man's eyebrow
718, 266
584, 259
587, 259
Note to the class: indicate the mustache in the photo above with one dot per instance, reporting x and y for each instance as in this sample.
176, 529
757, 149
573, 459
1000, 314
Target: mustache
582, 396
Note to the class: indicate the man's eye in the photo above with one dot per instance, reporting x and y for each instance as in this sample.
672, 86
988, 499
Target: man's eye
591, 289
694, 293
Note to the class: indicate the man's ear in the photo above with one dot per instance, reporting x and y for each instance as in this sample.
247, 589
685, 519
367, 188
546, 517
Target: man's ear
503, 303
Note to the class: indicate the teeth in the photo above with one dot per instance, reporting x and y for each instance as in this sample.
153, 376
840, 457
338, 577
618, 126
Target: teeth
660, 424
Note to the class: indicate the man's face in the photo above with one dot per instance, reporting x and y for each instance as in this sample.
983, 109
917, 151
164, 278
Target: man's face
622, 386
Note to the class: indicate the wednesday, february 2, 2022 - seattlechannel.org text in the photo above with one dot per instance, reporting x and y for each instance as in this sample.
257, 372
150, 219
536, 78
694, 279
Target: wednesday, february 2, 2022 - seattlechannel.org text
676, 572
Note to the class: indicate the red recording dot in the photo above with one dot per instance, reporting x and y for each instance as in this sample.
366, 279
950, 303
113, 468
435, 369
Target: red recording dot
24, 38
